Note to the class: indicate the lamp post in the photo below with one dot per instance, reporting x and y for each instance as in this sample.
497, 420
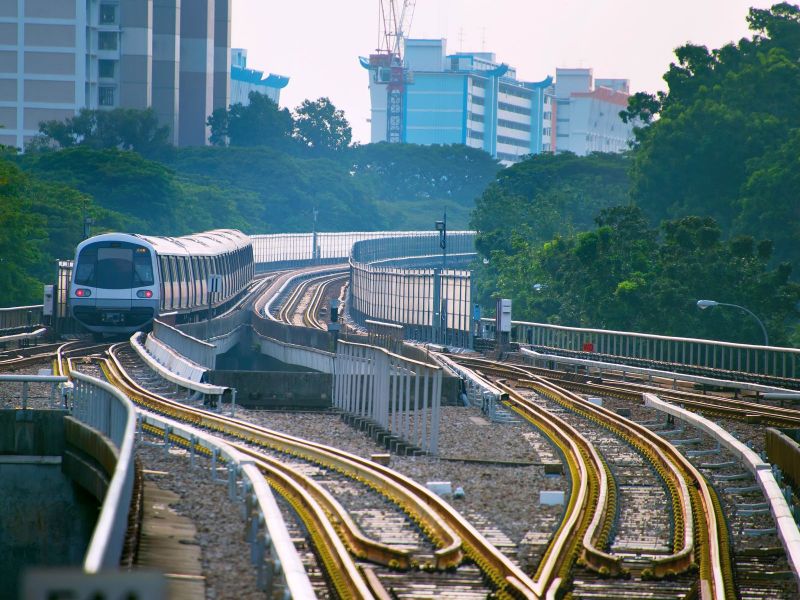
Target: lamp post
704, 304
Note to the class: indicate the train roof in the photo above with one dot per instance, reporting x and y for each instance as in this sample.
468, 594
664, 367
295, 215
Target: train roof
207, 243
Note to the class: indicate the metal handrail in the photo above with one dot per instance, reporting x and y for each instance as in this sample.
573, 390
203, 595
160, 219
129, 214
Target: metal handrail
105, 547
653, 336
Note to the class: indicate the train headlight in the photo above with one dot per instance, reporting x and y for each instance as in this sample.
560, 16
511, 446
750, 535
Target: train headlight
83, 293
144, 294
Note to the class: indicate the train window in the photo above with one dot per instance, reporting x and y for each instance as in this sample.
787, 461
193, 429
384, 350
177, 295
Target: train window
142, 267
85, 268
166, 288
182, 281
176, 294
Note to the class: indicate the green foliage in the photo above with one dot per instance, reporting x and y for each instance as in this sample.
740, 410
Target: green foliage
260, 123
122, 128
726, 140
278, 192
319, 125
624, 275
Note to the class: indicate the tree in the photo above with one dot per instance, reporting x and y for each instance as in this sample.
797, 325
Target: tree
121, 128
259, 123
321, 126
723, 141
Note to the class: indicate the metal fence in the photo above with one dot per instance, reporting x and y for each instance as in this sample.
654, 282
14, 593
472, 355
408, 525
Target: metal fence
20, 318
687, 352
401, 395
283, 250
103, 407
431, 304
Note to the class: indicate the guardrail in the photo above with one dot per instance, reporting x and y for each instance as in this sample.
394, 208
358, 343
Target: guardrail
432, 304
20, 317
173, 367
192, 348
273, 552
401, 395
689, 352
106, 409
286, 250
785, 523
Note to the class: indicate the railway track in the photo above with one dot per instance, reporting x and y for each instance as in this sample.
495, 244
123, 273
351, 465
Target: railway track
698, 533
757, 565
449, 554
302, 305
710, 405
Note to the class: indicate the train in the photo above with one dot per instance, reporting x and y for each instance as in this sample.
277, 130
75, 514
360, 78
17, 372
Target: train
122, 281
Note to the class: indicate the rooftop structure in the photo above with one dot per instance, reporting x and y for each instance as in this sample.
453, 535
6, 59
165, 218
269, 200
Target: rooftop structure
463, 98
244, 80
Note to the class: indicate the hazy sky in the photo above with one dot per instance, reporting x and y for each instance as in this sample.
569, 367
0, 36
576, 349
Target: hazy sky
317, 42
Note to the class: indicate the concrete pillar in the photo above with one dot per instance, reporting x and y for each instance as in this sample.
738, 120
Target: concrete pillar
166, 63
136, 58
222, 53
196, 71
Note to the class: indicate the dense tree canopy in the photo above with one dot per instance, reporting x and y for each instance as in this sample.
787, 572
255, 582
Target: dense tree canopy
319, 125
259, 123
624, 275
122, 128
725, 141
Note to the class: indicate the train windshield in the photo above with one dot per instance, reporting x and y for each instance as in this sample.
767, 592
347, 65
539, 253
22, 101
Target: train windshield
114, 266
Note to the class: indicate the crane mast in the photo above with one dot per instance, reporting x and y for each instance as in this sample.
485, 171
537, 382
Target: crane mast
395, 17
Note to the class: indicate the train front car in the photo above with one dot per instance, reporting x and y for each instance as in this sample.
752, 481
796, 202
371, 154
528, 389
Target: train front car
115, 287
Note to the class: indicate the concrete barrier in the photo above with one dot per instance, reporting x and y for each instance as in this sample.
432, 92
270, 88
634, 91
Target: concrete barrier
761, 470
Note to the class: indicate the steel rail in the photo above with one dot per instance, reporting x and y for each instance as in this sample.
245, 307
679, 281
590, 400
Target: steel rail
697, 501
345, 576
439, 521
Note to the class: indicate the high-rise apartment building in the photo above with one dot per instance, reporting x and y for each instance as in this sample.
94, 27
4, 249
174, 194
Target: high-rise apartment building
463, 98
244, 80
587, 113
59, 56
469, 98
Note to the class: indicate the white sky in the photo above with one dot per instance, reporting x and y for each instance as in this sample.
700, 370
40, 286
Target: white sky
317, 42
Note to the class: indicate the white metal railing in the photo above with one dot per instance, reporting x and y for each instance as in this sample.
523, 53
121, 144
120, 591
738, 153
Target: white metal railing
103, 407
281, 250
690, 352
401, 395
432, 304
19, 317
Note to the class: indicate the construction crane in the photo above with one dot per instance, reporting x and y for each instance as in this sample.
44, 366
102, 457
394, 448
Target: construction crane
394, 24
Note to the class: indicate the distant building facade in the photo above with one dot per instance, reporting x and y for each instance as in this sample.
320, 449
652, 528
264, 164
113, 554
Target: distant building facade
469, 98
244, 80
587, 113
59, 56
463, 98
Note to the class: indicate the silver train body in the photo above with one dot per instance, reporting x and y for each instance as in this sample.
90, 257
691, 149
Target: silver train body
121, 282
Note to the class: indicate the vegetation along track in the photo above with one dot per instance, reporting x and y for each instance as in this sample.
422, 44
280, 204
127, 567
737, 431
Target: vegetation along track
453, 537
699, 534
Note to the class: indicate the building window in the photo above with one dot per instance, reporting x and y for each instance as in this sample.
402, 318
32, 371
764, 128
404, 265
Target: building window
107, 40
478, 100
105, 96
503, 139
513, 125
108, 14
475, 135
479, 83
476, 117
547, 115
106, 68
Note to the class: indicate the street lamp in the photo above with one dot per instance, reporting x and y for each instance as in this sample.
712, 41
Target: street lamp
704, 304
